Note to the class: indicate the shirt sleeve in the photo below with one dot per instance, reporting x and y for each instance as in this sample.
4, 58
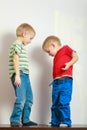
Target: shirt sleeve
69, 51
17, 49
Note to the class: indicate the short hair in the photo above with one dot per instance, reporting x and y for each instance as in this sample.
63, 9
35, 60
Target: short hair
47, 42
24, 27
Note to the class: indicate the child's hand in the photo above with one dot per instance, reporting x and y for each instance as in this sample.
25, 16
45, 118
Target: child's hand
17, 81
67, 65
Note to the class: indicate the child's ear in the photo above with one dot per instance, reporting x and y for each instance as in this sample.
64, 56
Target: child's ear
52, 44
24, 34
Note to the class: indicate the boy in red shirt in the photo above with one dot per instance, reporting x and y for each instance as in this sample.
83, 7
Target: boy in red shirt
64, 58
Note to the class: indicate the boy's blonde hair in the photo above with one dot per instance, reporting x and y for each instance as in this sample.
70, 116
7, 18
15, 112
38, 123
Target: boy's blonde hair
24, 27
49, 40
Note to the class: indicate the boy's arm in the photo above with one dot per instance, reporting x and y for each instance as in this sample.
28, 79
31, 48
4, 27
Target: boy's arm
17, 71
73, 60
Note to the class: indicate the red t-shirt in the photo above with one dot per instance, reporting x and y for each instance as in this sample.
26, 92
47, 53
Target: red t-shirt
63, 56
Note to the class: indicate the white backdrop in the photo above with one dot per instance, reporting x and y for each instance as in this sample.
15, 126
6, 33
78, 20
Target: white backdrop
64, 18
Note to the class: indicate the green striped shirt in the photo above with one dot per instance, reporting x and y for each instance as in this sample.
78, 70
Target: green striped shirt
18, 47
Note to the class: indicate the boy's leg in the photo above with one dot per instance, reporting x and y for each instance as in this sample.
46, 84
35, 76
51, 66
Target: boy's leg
28, 102
55, 115
64, 101
20, 93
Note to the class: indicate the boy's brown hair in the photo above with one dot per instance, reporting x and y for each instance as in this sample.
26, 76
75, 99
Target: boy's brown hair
24, 27
47, 42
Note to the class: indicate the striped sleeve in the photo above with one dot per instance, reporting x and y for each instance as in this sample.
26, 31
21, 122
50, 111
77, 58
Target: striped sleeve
16, 48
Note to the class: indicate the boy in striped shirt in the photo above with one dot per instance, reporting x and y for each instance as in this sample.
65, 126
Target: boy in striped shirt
19, 74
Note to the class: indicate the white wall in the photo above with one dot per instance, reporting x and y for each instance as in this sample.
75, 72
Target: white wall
64, 18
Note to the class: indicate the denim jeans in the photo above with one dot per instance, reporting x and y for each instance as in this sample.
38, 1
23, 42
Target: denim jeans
24, 100
61, 97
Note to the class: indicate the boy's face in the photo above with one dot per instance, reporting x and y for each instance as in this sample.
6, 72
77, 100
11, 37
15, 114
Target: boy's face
52, 49
27, 37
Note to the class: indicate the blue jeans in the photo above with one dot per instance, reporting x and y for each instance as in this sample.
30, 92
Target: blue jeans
61, 97
24, 100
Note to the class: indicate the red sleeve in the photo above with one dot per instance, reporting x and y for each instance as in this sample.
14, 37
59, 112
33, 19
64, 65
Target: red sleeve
69, 51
